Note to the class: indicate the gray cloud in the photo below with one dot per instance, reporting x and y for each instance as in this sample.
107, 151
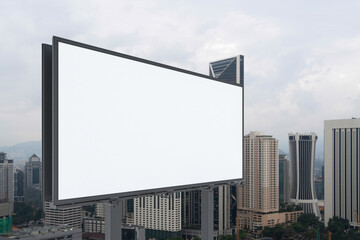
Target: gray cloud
301, 60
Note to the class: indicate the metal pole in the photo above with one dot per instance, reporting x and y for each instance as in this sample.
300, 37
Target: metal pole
207, 213
113, 220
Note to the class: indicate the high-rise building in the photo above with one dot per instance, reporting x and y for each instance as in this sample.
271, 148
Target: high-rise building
33, 172
260, 193
284, 186
342, 168
6, 193
19, 182
228, 70
302, 163
71, 216
160, 215
6, 179
33, 181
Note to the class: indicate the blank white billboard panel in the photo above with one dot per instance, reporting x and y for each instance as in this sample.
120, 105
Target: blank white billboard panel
126, 126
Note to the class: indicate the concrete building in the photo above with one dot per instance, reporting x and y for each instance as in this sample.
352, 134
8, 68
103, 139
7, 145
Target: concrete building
302, 163
6, 193
224, 210
33, 181
260, 193
44, 233
284, 184
342, 164
160, 215
19, 183
71, 216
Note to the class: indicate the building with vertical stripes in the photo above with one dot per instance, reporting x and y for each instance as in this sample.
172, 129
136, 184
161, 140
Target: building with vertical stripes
160, 215
302, 163
341, 158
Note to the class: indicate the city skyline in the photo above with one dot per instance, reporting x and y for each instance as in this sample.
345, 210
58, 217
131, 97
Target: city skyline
299, 59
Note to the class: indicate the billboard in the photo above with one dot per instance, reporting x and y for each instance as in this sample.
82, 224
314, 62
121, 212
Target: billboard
122, 126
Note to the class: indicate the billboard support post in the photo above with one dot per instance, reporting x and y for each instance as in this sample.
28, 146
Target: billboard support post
207, 213
113, 220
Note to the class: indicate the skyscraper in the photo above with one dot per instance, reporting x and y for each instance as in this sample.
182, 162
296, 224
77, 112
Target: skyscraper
228, 70
342, 165
283, 179
302, 163
19, 185
33, 181
6, 193
260, 193
6, 178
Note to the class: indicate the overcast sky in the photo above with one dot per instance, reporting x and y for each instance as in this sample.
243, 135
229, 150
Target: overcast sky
302, 58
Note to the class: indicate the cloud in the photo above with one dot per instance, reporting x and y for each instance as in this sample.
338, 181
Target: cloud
327, 88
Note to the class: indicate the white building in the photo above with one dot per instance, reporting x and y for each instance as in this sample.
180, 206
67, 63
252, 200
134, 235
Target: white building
159, 213
342, 165
71, 216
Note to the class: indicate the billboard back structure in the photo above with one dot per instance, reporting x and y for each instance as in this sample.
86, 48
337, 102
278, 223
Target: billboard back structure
122, 126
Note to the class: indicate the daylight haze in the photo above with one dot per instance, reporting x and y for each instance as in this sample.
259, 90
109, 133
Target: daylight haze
301, 59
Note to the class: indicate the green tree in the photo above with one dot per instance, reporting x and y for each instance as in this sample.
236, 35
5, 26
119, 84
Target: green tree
268, 231
24, 213
197, 238
175, 238
298, 227
309, 220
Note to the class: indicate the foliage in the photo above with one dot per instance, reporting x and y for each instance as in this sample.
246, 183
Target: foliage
289, 208
197, 238
309, 220
90, 208
242, 234
227, 237
175, 238
24, 213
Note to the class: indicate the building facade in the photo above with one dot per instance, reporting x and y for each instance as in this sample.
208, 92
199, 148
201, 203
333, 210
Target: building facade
302, 163
260, 193
70, 216
19, 183
33, 182
6, 193
160, 215
342, 164
228, 70
284, 185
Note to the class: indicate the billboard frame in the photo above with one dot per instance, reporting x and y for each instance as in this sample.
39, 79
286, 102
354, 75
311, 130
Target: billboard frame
50, 127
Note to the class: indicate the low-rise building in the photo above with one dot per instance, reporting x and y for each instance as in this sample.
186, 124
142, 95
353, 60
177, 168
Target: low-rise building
44, 233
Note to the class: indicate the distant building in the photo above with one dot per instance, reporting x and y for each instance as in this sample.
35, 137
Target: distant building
302, 163
260, 193
19, 183
33, 181
71, 216
129, 231
224, 209
6, 193
284, 184
342, 168
229, 70
160, 215
44, 233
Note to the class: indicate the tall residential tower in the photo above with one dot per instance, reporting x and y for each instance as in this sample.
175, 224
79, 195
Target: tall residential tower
260, 193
